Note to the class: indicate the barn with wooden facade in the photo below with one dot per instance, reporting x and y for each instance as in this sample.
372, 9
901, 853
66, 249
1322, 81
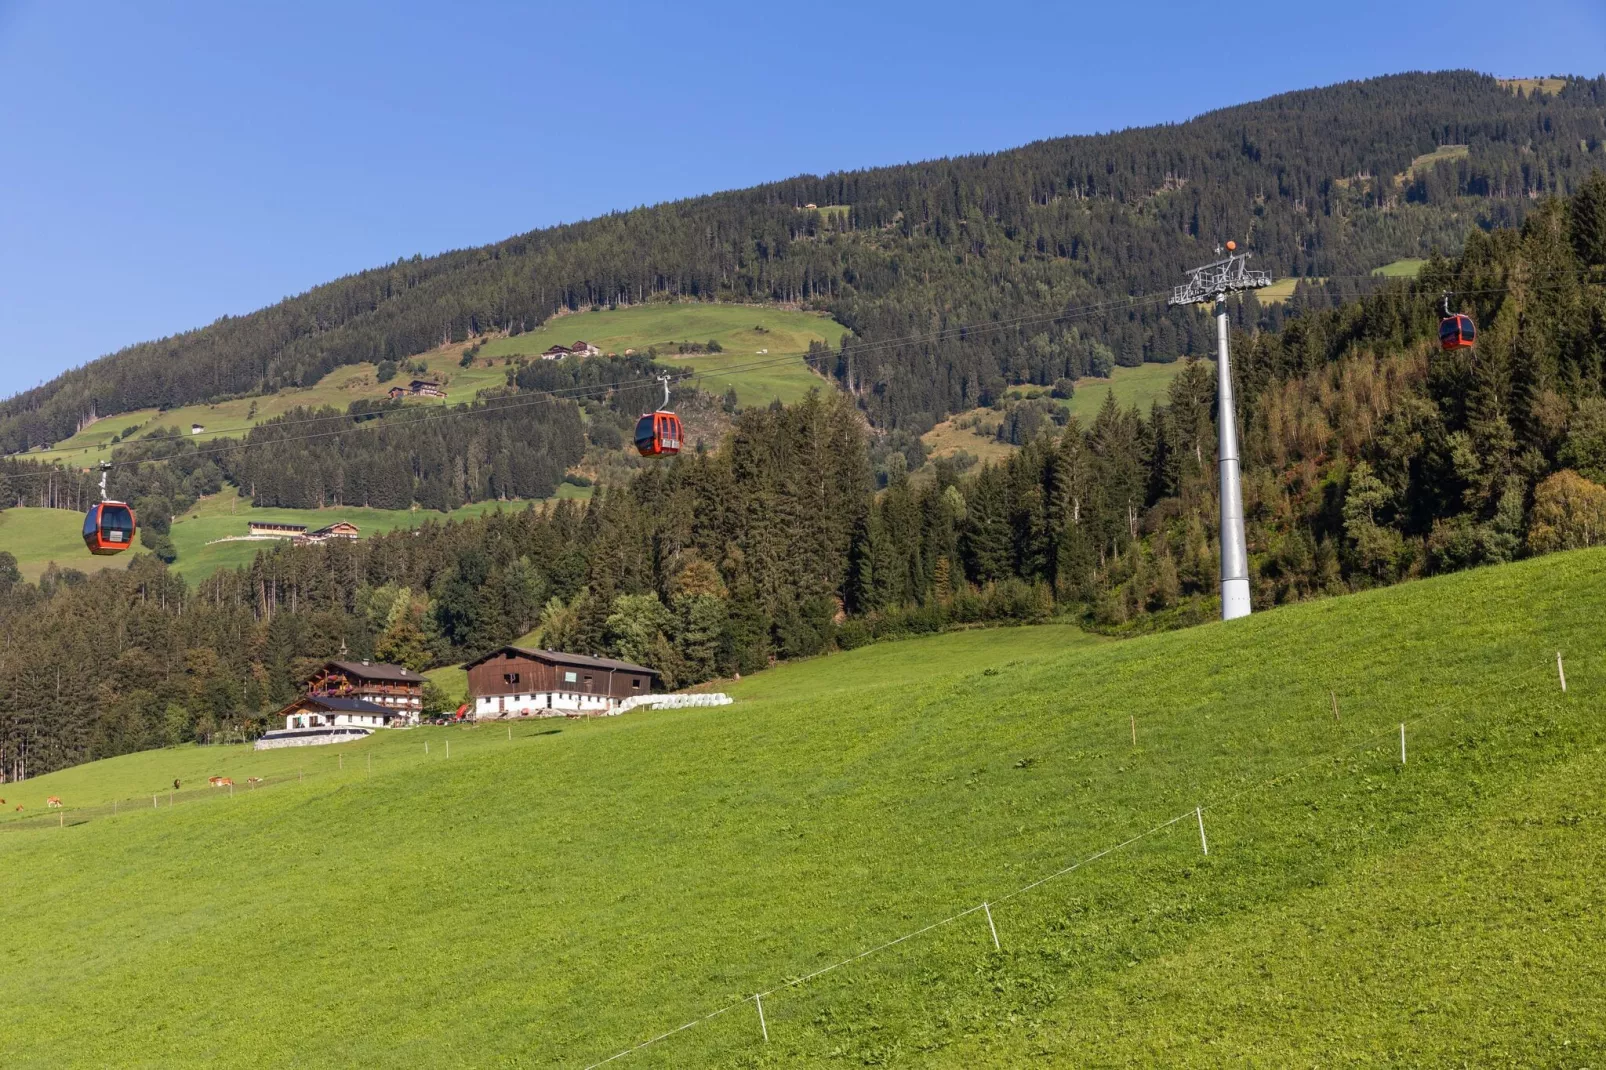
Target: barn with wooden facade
518, 682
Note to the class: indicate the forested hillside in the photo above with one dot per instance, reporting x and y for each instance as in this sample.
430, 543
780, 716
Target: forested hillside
1321, 183
1370, 456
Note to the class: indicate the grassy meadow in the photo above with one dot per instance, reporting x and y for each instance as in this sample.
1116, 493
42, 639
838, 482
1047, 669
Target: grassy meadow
39, 536
558, 897
1141, 386
741, 330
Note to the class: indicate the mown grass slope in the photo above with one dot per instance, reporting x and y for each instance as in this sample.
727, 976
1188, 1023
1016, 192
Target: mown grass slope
556, 898
747, 334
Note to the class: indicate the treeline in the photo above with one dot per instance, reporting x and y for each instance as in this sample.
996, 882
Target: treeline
1310, 176
1370, 456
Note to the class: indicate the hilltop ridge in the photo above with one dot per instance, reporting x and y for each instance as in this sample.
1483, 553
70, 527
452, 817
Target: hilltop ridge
1307, 176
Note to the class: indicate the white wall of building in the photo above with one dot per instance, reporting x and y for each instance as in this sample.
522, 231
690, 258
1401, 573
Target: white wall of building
541, 704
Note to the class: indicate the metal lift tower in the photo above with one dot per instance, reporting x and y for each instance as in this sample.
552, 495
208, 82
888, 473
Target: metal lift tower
1211, 284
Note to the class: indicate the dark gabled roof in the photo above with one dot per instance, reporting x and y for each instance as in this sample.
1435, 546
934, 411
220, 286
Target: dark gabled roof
334, 704
558, 657
377, 670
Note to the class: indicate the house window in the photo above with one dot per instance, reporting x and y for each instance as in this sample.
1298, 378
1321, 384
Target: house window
588, 683
570, 677
510, 678
635, 683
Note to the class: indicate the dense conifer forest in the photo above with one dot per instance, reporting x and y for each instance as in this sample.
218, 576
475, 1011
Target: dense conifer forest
1370, 457
1320, 183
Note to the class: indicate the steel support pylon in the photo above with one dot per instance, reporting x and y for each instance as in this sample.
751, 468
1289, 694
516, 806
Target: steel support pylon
1234, 548
1214, 282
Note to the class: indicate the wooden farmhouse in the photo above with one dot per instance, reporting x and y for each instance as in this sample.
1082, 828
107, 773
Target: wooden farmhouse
555, 353
585, 349
389, 687
313, 711
340, 529
518, 682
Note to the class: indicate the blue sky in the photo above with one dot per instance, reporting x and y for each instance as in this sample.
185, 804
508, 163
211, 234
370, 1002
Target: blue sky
162, 164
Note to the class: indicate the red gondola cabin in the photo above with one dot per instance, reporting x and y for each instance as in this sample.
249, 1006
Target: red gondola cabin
109, 528
1457, 332
658, 434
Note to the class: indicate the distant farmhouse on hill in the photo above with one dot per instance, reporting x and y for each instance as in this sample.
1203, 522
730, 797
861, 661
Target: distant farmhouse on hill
340, 529
581, 348
418, 388
298, 533
274, 529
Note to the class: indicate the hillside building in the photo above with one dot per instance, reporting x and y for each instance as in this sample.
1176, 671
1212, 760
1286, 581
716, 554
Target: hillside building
425, 388
585, 349
274, 529
518, 682
555, 353
388, 687
340, 529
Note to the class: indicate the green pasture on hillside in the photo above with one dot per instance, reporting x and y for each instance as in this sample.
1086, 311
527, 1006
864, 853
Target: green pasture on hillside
1141, 386
39, 536
556, 898
735, 327
1408, 268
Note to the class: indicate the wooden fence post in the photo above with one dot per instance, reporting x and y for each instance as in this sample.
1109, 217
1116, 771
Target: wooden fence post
988, 910
1334, 696
1561, 672
758, 1001
1204, 844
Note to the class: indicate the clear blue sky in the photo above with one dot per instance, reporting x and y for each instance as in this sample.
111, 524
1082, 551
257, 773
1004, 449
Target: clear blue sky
162, 164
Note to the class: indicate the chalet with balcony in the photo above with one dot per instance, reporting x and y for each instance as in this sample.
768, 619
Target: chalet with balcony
518, 682
388, 687
556, 353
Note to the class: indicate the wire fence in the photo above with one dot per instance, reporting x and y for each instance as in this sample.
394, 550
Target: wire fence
63, 816
1511, 683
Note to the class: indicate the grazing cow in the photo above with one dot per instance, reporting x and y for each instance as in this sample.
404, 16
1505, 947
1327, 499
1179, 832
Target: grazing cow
175, 783
253, 781
217, 781
53, 801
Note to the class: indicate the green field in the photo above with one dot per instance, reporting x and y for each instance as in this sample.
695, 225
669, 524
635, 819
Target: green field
734, 327
233, 418
1408, 268
1141, 386
559, 897
36, 537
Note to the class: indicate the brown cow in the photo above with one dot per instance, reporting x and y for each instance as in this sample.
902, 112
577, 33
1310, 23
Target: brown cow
253, 781
218, 781
53, 801
175, 783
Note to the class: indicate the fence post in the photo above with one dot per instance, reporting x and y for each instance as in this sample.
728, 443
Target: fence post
1561, 673
448, 748
61, 819
1402, 742
1204, 844
991, 927
231, 792
510, 733
1134, 719
153, 802
1334, 695
114, 807
342, 763
758, 1001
